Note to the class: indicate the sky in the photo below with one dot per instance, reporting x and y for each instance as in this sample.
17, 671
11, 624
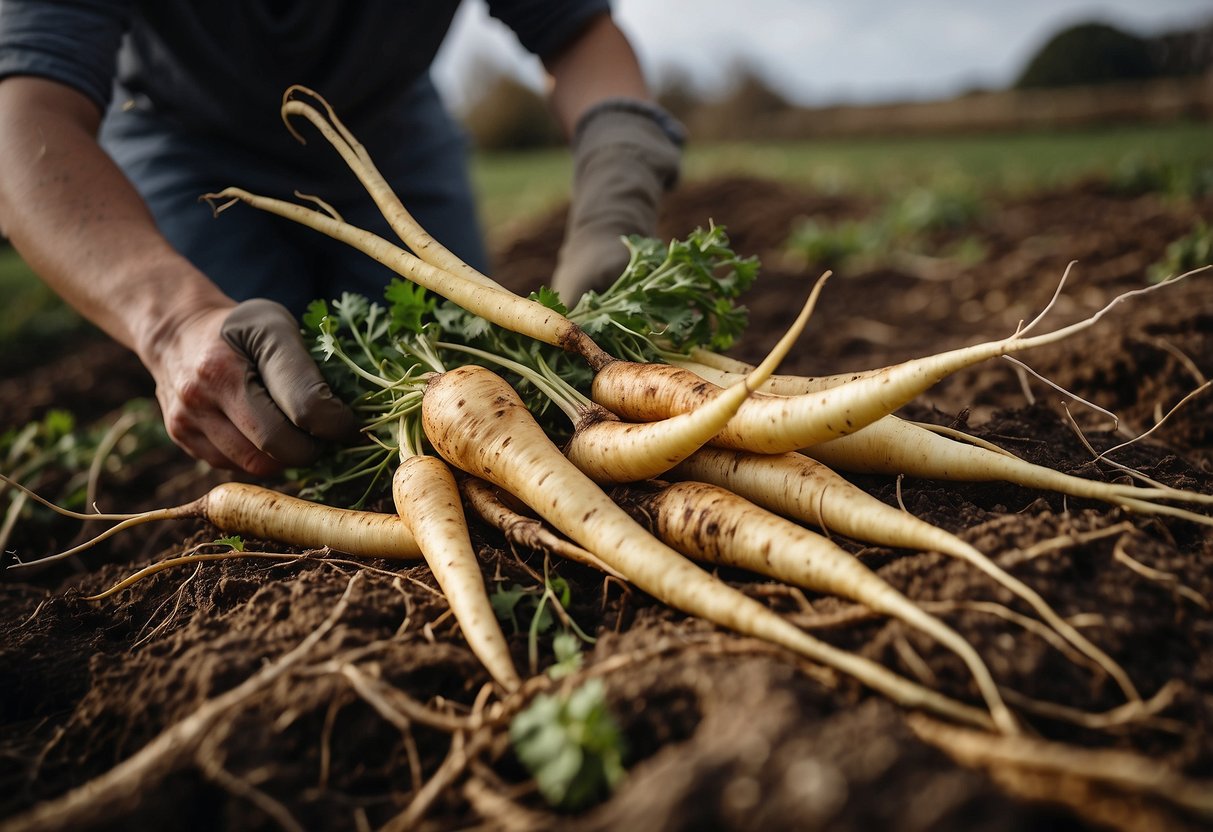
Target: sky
820, 51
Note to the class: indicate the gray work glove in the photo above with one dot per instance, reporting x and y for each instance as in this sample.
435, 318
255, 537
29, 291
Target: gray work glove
292, 404
626, 155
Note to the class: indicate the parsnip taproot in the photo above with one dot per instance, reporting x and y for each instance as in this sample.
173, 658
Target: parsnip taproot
796, 486
253, 511
477, 423
722, 370
427, 498
504, 512
497, 306
894, 446
611, 451
709, 523
419, 241
778, 424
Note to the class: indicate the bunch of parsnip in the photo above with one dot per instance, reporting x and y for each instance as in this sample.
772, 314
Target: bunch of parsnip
631, 387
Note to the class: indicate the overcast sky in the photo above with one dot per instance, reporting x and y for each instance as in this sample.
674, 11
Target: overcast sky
824, 51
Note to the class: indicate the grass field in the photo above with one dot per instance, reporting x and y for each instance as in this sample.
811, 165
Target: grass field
515, 188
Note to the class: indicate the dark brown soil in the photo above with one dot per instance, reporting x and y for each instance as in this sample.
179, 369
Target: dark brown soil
722, 732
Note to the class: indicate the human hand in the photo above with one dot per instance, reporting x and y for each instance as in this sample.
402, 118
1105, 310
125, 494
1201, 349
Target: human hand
626, 154
239, 390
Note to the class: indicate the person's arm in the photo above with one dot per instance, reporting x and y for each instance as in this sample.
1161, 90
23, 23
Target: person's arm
598, 64
80, 224
626, 154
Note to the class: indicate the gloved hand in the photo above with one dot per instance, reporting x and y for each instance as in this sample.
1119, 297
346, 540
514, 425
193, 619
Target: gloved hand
291, 404
626, 154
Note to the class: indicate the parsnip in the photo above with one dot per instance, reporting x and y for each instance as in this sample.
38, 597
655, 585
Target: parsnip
427, 498
711, 524
795, 486
355, 155
894, 446
778, 424
498, 306
608, 450
477, 423
253, 511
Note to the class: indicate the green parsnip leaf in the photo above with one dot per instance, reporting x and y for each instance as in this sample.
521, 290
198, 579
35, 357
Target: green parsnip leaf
681, 295
550, 299
409, 306
316, 312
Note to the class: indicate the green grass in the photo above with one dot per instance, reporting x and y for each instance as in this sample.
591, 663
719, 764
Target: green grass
516, 186
32, 315
1004, 162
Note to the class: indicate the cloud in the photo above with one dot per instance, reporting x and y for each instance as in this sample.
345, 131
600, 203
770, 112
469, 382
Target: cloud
820, 51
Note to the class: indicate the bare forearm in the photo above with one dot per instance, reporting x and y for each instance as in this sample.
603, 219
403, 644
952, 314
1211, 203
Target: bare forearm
598, 64
81, 225
85, 230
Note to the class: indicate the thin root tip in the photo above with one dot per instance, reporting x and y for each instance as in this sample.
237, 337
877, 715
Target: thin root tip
220, 202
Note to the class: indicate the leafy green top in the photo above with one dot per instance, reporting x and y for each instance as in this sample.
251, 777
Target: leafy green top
679, 295
670, 298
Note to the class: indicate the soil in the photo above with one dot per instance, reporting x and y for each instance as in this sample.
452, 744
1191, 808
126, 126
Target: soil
721, 732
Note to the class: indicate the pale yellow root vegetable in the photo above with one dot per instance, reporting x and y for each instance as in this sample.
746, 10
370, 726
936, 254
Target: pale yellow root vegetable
253, 511
477, 423
802, 488
709, 523
360, 162
427, 498
722, 370
495, 305
504, 513
894, 446
777, 424
611, 451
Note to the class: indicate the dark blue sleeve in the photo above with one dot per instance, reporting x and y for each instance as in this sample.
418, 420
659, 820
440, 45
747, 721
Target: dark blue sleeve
544, 26
74, 42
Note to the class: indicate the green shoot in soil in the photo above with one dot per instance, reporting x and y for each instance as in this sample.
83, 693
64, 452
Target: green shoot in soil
570, 745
